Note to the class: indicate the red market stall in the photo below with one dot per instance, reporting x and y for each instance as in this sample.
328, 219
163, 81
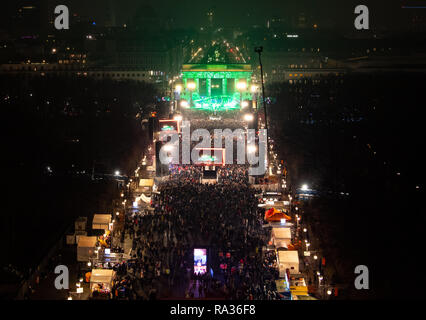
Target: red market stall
274, 215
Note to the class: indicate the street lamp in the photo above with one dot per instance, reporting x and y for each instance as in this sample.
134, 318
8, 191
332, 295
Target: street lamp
184, 104
117, 173
248, 117
259, 50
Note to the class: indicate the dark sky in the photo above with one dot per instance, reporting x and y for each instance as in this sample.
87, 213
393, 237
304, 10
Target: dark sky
234, 12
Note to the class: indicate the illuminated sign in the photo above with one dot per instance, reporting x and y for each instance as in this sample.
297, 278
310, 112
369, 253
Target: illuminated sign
200, 261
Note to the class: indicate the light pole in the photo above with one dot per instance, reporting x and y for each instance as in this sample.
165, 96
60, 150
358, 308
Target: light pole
259, 51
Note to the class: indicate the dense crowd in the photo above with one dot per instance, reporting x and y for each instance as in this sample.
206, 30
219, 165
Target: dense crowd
212, 125
223, 217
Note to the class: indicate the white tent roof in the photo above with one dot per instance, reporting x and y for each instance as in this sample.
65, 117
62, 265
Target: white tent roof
102, 218
145, 199
87, 242
281, 233
291, 256
102, 275
146, 182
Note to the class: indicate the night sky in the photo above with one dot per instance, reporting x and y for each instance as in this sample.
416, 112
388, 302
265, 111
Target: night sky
386, 14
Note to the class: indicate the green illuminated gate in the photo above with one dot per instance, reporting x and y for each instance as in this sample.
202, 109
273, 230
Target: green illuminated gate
216, 86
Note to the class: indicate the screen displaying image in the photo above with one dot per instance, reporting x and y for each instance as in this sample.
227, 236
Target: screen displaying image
200, 261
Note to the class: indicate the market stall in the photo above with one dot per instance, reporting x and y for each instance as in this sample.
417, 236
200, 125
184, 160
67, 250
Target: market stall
101, 221
288, 260
298, 287
281, 237
274, 215
101, 282
145, 185
86, 248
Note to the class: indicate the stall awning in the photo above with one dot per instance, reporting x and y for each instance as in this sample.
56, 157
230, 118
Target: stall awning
145, 199
101, 221
288, 256
281, 233
86, 242
299, 290
275, 215
288, 260
146, 182
102, 276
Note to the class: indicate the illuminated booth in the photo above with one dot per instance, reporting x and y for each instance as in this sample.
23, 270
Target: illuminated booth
288, 260
298, 288
101, 222
86, 248
281, 237
101, 282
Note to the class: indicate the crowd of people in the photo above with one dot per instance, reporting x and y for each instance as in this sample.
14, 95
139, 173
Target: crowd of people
212, 125
222, 217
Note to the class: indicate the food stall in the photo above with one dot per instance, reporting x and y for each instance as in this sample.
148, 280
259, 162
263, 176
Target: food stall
274, 215
145, 185
281, 237
288, 260
86, 247
101, 221
298, 287
101, 282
